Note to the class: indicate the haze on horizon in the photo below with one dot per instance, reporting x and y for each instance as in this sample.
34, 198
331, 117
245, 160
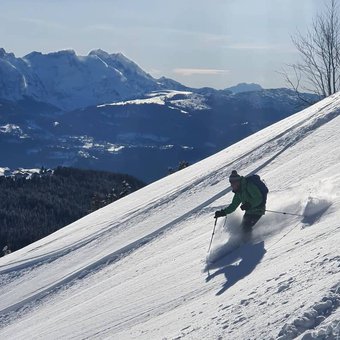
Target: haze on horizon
216, 44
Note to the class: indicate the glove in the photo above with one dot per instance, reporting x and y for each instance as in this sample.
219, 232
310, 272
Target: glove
220, 213
245, 206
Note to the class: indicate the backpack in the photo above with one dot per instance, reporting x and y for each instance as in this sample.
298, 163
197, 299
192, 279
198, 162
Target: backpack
255, 179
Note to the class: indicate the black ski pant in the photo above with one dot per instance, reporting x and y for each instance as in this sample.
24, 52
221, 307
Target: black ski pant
249, 221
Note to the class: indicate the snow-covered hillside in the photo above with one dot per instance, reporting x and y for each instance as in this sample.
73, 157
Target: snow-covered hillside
136, 269
176, 100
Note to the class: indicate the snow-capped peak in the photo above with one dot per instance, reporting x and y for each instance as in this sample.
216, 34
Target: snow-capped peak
121, 62
99, 52
4, 54
244, 87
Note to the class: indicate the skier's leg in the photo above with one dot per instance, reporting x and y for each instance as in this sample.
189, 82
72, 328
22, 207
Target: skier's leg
247, 224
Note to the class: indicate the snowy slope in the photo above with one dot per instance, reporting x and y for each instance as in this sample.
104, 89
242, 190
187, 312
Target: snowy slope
176, 100
136, 269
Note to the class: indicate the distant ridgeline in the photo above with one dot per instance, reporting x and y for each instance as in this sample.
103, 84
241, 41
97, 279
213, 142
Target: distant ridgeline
34, 204
103, 111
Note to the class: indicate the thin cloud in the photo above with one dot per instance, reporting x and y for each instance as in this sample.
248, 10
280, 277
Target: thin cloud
101, 27
199, 71
257, 46
42, 23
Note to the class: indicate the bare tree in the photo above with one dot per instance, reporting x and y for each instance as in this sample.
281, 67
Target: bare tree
319, 68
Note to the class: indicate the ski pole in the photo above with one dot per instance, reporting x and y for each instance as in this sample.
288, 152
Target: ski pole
213, 233
284, 213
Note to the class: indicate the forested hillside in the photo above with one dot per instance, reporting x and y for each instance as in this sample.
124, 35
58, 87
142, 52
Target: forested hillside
33, 208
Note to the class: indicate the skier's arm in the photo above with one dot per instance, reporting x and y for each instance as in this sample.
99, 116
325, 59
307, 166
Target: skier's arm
233, 205
255, 195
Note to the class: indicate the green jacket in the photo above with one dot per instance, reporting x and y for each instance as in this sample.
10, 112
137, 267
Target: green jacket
248, 193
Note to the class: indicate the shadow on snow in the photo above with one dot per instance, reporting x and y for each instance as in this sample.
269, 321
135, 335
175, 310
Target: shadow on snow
237, 265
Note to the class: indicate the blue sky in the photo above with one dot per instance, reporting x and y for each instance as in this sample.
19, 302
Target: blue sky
216, 43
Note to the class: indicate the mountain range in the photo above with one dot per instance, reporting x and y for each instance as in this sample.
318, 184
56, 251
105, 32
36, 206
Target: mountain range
102, 111
68, 81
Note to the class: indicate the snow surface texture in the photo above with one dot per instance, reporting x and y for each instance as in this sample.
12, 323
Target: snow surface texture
137, 269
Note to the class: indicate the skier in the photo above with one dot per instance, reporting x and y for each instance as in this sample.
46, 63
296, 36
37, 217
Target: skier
252, 193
